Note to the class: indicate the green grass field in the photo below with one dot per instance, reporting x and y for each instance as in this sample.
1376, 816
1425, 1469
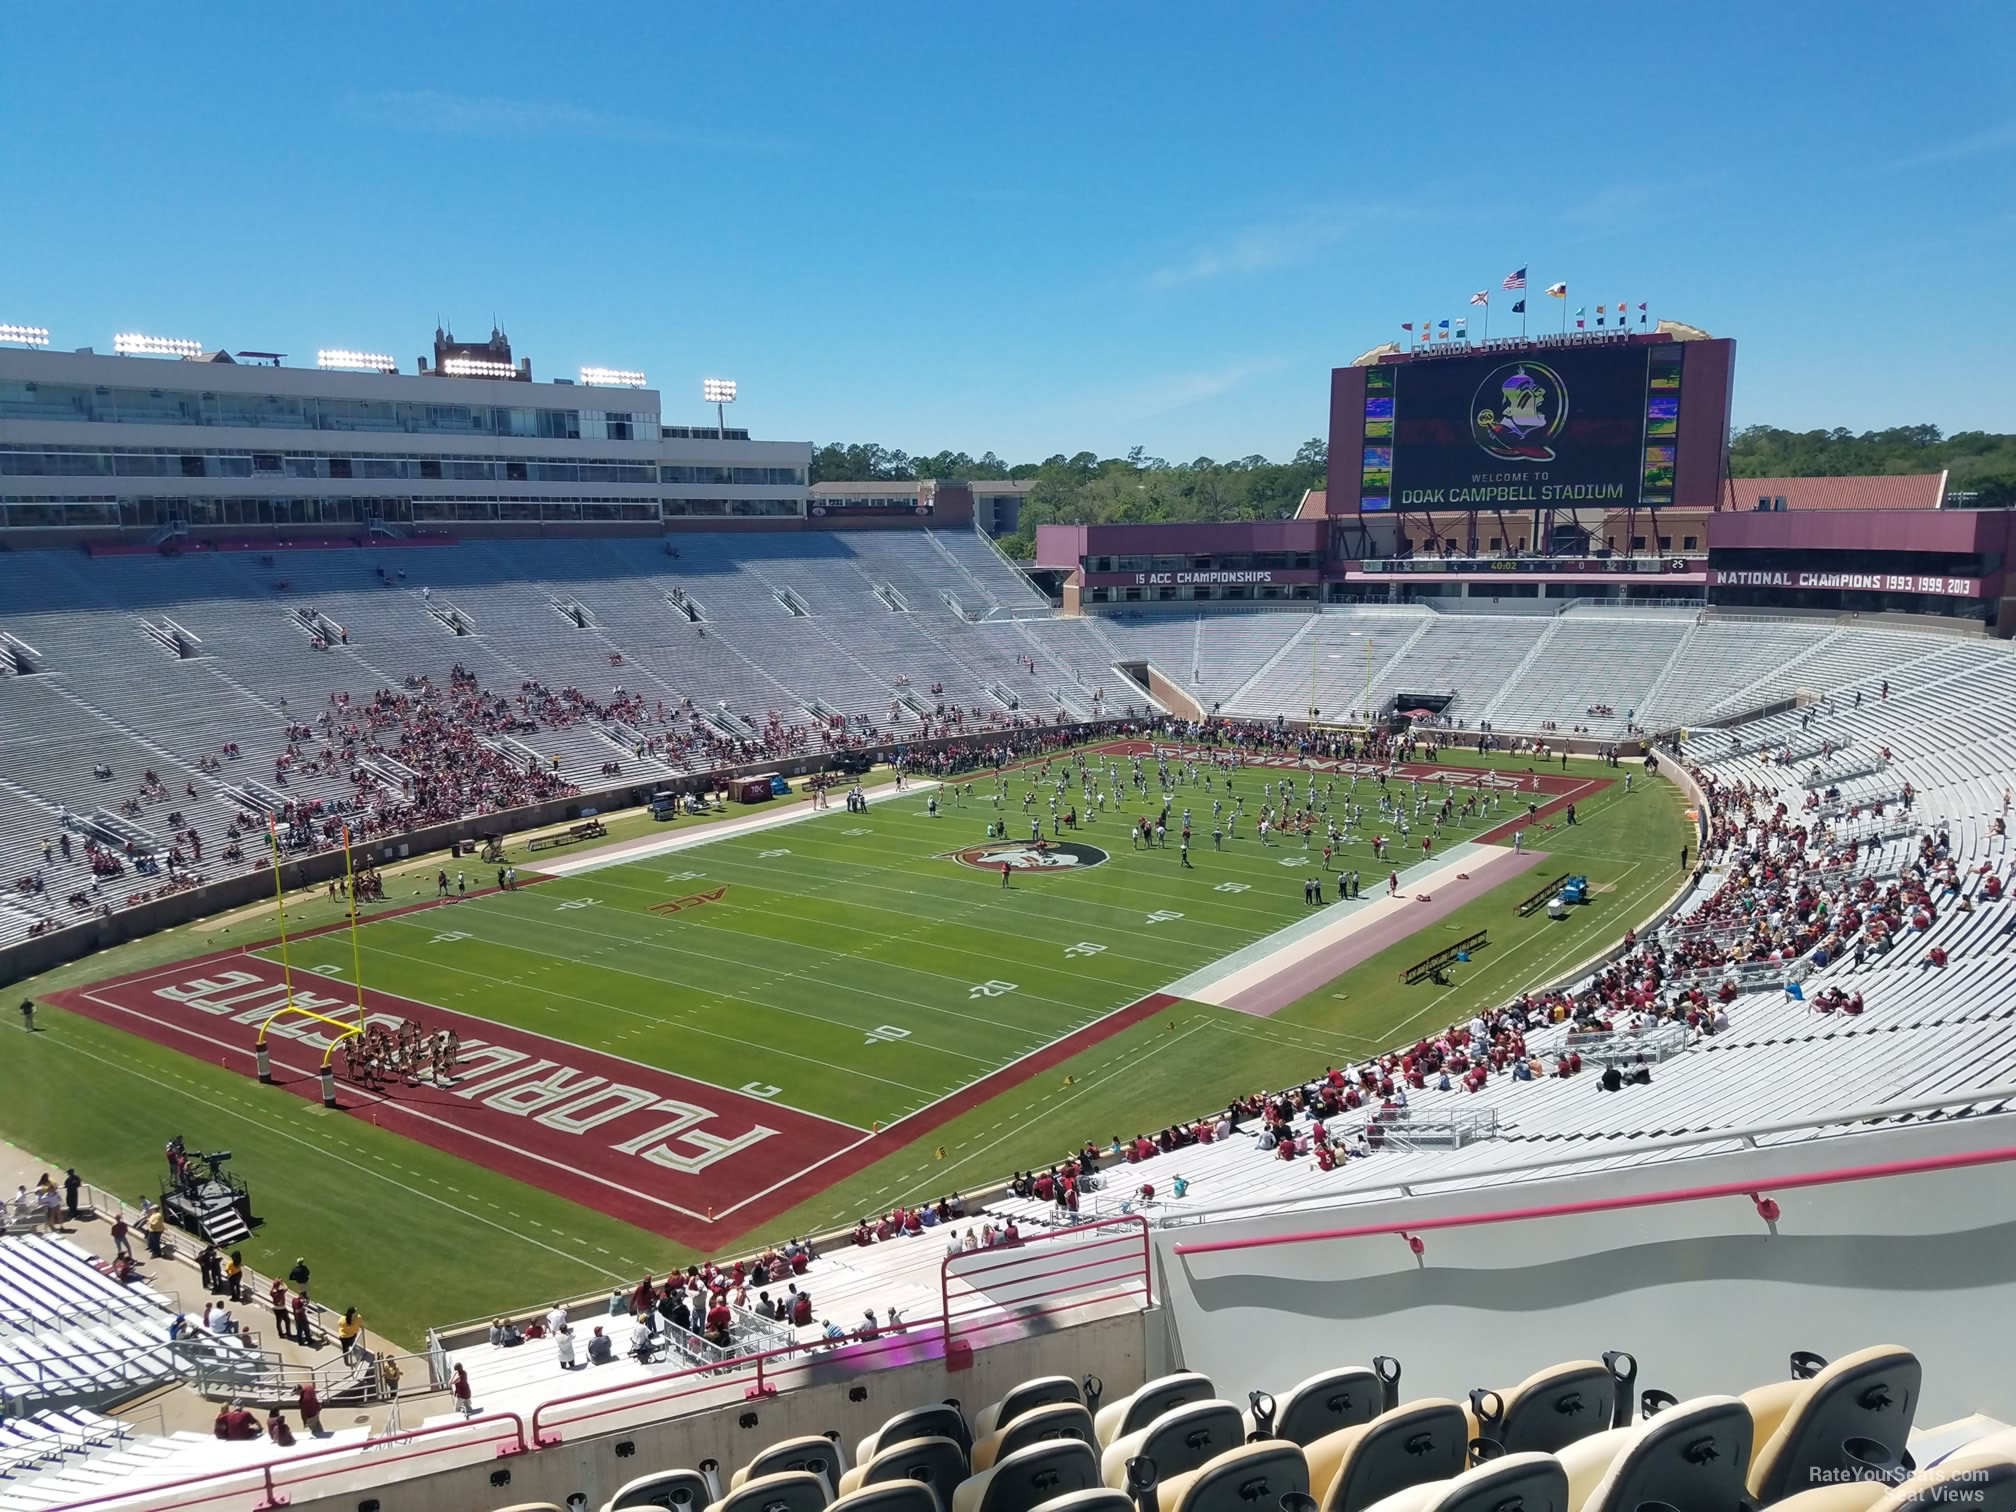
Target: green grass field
848, 965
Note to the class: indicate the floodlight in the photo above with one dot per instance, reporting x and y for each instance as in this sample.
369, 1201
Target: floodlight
608, 377
477, 367
133, 344
342, 358
25, 335
717, 390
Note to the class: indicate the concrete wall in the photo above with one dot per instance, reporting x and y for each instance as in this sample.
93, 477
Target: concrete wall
1708, 1295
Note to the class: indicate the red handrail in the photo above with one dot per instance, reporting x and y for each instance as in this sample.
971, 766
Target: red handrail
534, 1436
1747, 1188
714, 1376
274, 1496
1001, 1260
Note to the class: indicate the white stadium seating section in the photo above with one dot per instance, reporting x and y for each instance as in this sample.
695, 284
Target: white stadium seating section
755, 645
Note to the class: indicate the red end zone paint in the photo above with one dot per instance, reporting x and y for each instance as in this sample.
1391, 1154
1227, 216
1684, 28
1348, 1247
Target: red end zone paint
678, 1158
673, 1156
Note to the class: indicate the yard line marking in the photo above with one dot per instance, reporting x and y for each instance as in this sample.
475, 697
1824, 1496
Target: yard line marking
758, 966
650, 1018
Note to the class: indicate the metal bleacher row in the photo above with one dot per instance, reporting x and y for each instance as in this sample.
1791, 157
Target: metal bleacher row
70, 1334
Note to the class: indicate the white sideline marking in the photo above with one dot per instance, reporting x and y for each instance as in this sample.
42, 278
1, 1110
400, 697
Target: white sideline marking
796, 811
1220, 990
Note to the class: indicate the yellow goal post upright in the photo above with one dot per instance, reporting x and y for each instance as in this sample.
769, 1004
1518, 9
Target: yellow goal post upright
343, 1031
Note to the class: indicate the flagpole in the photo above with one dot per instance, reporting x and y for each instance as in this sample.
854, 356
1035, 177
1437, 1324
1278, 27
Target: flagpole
1525, 299
280, 907
1487, 317
356, 951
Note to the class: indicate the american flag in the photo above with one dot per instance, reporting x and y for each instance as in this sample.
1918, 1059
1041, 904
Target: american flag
1516, 280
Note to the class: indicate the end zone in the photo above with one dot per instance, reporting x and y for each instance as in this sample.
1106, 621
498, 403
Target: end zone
664, 1152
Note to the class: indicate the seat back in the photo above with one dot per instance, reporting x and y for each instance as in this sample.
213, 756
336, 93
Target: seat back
894, 1496
1181, 1439
668, 1490
1513, 1483
1140, 1408
935, 1462
1104, 1499
1323, 1403
1854, 1416
939, 1420
1693, 1457
814, 1452
1251, 1478
1547, 1410
1426, 1440
1024, 1480
1068, 1420
1043, 1391
786, 1491
1980, 1480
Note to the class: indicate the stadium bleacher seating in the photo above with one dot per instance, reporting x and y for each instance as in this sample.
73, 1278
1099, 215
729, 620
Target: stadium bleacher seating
205, 668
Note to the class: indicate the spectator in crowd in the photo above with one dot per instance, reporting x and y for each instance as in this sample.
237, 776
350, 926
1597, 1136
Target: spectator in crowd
350, 1332
234, 1422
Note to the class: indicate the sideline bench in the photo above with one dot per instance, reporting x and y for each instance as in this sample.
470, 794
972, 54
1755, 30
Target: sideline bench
1435, 967
588, 829
1539, 899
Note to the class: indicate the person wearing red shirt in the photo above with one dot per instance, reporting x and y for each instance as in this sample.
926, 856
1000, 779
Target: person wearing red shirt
718, 1319
234, 1422
308, 1403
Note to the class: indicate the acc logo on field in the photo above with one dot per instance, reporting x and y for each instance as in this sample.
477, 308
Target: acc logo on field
1517, 410
1024, 855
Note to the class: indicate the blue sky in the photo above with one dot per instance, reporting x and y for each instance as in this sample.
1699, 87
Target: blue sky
1034, 228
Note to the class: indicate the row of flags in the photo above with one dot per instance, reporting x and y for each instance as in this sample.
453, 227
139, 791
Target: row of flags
1618, 314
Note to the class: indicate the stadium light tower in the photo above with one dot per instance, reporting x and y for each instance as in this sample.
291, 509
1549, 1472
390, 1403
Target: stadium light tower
608, 377
134, 344
476, 367
719, 392
344, 360
24, 335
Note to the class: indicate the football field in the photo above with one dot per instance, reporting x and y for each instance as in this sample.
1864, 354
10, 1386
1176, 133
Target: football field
706, 1034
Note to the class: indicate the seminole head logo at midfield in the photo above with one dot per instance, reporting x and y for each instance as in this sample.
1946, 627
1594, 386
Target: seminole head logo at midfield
1028, 855
1518, 410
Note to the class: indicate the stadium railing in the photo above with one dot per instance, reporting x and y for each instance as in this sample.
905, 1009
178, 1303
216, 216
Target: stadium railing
1748, 1189
1034, 1280
1011, 1286
1709, 1141
279, 1480
1048, 1273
